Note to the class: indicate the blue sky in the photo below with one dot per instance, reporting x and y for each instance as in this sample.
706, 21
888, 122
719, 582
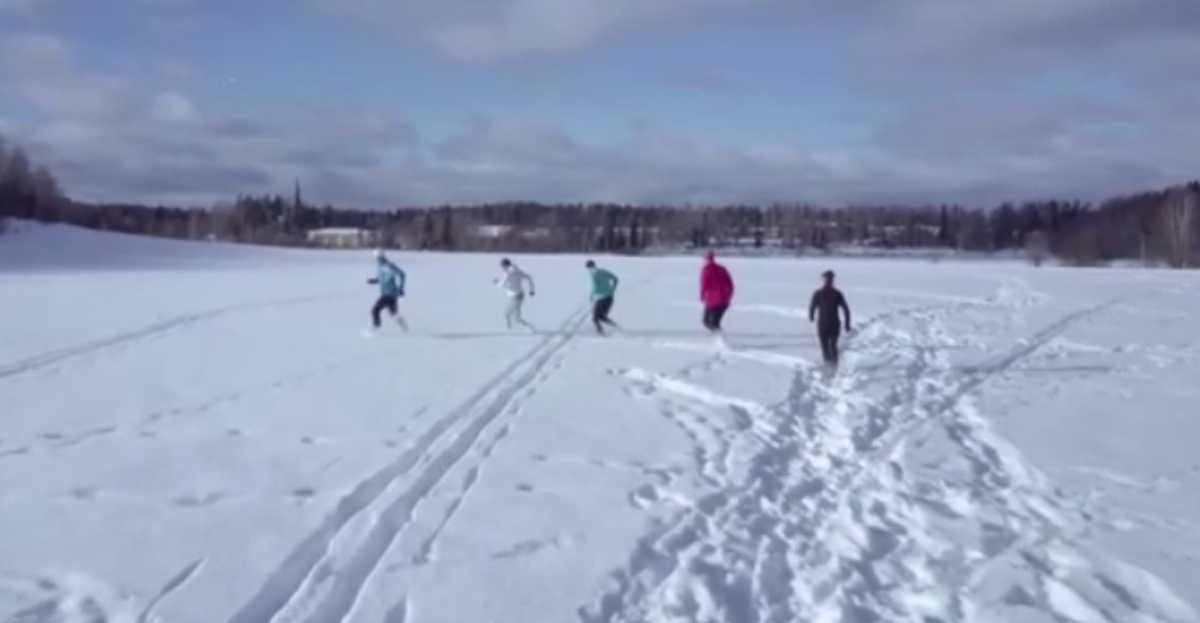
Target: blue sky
379, 103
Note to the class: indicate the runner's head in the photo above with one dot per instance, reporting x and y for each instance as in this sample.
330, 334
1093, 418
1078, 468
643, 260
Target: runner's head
590, 265
828, 277
710, 257
380, 256
506, 263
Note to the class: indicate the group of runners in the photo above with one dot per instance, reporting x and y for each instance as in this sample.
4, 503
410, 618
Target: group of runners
716, 295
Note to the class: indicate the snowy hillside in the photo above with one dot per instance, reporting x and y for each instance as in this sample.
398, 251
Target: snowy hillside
197, 432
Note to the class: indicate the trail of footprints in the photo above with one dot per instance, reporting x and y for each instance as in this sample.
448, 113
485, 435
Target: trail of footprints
149, 429
861, 506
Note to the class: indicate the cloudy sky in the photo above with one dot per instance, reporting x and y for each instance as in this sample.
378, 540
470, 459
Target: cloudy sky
380, 103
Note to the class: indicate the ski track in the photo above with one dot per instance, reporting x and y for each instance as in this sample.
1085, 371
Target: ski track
427, 554
42, 360
71, 597
427, 551
900, 507
172, 585
295, 591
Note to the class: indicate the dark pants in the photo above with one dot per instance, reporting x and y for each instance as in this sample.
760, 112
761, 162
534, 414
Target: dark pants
829, 343
384, 302
713, 316
600, 311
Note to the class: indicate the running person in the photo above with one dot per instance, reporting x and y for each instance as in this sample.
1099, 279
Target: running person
716, 292
513, 283
824, 309
390, 280
604, 287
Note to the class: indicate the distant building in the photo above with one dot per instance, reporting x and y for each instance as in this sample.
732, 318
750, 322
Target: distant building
342, 237
495, 232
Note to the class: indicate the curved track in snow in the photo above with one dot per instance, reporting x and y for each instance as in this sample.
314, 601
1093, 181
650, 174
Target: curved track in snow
48, 358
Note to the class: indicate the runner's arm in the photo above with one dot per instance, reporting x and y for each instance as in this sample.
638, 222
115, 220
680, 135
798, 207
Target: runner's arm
532, 286
401, 276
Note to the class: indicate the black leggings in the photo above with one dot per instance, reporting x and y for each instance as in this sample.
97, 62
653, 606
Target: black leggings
713, 316
384, 302
600, 311
829, 343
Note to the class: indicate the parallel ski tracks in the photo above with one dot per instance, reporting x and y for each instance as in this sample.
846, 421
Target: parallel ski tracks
301, 589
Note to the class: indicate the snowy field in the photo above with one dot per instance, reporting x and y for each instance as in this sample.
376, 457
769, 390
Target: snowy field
199, 433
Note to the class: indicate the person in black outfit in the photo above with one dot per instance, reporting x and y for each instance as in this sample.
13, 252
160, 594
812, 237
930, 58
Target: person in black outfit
824, 310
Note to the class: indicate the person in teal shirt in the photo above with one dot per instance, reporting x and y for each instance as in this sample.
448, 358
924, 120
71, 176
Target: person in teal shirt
604, 287
390, 279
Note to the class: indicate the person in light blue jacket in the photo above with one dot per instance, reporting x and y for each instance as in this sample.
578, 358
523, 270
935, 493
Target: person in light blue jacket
390, 280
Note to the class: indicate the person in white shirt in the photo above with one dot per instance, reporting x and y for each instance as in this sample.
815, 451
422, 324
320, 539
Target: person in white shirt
513, 283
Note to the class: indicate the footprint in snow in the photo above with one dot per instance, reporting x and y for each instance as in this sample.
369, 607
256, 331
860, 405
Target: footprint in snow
83, 493
303, 494
644, 496
197, 501
14, 452
530, 547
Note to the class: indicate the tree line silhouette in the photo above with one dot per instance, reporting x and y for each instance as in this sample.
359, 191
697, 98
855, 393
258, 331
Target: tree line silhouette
1157, 226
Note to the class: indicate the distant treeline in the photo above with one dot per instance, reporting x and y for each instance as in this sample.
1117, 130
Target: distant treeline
1153, 227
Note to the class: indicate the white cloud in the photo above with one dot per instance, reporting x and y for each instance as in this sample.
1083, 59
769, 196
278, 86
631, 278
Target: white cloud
175, 70
171, 107
33, 54
491, 30
946, 140
40, 68
1012, 35
382, 163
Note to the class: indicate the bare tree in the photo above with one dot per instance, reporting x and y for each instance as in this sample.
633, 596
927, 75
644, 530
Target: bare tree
1082, 248
1037, 247
1147, 221
1178, 213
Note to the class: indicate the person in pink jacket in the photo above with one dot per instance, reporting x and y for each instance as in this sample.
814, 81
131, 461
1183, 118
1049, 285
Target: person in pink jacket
716, 292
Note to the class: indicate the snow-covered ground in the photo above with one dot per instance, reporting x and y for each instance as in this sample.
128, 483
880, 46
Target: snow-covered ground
195, 433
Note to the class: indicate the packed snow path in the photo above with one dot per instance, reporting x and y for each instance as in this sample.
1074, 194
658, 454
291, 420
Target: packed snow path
216, 442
